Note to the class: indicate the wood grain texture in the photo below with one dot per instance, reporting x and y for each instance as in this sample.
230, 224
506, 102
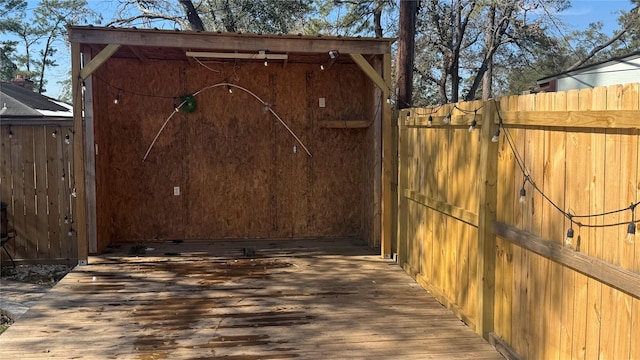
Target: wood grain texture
240, 172
306, 299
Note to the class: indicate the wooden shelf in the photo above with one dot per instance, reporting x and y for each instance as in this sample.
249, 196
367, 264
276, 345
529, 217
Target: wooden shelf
344, 124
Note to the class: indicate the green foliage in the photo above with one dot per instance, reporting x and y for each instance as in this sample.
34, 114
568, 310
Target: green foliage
39, 34
354, 18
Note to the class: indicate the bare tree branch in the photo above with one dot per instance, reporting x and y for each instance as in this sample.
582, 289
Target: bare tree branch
598, 48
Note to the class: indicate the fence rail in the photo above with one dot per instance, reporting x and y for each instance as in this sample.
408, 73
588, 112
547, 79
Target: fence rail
577, 153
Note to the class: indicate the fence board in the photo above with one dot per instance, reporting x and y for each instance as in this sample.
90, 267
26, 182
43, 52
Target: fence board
54, 215
32, 163
543, 309
572, 330
41, 193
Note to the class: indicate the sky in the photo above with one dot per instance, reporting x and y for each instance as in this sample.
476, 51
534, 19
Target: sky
581, 13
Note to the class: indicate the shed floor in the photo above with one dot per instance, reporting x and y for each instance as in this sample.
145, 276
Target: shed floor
306, 299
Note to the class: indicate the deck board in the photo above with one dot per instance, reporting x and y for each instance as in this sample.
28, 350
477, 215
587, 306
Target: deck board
305, 299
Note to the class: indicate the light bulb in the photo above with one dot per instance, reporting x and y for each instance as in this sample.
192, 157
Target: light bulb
54, 134
266, 108
116, 99
568, 241
84, 86
66, 219
67, 139
496, 136
333, 54
523, 196
73, 192
266, 63
473, 125
321, 66
430, 121
229, 89
446, 119
10, 134
631, 233
70, 233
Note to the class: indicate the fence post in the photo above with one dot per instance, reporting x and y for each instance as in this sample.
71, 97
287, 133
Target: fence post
402, 185
486, 216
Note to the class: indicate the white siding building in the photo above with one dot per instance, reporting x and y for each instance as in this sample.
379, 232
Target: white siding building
621, 70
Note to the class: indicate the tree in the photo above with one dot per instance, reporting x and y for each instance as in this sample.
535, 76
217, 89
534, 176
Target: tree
267, 16
461, 39
8, 47
353, 17
39, 35
406, 45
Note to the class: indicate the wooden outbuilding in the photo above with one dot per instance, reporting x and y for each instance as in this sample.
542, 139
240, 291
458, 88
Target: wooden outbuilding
184, 135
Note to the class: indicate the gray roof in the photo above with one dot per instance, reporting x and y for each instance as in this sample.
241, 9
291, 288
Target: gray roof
17, 102
581, 69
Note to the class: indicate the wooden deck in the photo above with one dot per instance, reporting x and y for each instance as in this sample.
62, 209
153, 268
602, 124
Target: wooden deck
321, 299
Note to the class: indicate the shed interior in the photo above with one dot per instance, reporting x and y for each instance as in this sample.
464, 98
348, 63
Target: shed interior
228, 165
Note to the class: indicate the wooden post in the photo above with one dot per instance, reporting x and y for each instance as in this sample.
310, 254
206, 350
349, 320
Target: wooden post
486, 216
389, 161
80, 216
402, 185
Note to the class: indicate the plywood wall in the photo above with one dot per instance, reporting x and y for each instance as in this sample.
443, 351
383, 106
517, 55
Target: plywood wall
235, 164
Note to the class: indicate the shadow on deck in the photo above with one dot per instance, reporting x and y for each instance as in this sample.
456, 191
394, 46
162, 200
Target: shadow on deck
280, 299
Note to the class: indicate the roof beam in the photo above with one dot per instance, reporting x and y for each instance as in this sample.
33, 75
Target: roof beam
371, 72
230, 42
98, 60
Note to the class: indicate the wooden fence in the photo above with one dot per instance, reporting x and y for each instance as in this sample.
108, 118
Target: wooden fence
37, 184
503, 265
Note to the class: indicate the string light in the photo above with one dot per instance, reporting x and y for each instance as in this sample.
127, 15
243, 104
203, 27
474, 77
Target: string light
229, 89
631, 232
333, 56
430, 121
568, 241
116, 100
631, 228
473, 122
496, 136
523, 195
67, 139
446, 119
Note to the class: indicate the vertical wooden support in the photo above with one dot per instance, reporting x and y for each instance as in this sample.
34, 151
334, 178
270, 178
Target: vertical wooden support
389, 161
80, 218
402, 185
486, 216
90, 162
